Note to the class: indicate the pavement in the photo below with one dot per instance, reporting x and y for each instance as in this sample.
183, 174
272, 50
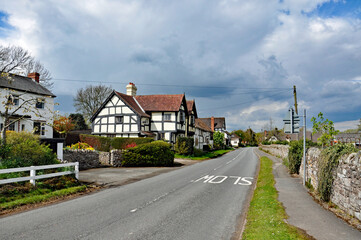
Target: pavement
111, 176
303, 212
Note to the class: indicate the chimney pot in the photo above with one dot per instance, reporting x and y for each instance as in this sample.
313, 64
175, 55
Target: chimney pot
212, 124
35, 76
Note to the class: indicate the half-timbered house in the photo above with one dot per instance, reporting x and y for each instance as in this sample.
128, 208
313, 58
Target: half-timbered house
192, 116
128, 115
203, 136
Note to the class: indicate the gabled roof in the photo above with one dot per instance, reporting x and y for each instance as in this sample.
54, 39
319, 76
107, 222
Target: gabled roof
129, 100
132, 103
24, 84
191, 106
161, 103
202, 125
219, 122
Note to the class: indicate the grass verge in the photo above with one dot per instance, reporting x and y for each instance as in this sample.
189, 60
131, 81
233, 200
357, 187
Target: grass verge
205, 155
265, 218
41, 197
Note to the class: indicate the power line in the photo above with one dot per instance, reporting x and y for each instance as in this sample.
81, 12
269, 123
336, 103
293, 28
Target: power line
239, 104
162, 85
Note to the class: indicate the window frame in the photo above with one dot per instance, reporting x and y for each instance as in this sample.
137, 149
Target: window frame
119, 119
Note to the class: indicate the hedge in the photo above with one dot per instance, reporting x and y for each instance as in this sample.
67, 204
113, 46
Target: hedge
154, 154
97, 142
105, 144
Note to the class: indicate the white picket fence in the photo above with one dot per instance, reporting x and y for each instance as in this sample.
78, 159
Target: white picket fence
33, 170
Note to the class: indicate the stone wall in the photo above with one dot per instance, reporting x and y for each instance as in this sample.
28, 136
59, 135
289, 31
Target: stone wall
277, 150
346, 188
93, 159
86, 158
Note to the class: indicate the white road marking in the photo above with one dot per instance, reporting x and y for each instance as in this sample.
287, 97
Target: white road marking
134, 210
244, 181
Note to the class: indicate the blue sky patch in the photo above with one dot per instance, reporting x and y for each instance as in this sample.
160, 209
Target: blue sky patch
341, 8
4, 25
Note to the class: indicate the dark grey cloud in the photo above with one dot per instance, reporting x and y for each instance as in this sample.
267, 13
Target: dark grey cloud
238, 59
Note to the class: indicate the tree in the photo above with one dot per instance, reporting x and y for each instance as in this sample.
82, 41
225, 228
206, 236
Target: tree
218, 140
63, 125
89, 99
78, 121
359, 126
325, 127
19, 61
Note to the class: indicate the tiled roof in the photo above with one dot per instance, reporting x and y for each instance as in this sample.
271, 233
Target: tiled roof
202, 125
131, 102
219, 122
162, 103
24, 84
190, 105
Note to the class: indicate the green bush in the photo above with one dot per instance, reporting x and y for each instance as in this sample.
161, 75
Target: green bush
295, 154
157, 153
25, 149
328, 163
184, 146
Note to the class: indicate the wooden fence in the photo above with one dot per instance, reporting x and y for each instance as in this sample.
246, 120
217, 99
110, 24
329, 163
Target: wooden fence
33, 170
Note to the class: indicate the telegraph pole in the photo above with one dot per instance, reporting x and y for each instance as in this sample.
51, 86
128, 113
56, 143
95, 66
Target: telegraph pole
295, 95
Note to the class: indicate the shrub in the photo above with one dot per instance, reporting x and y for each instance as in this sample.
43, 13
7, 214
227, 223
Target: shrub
81, 145
329, 161
218, 140
97, 142
295, 154
26, 150
157, 153
184, 146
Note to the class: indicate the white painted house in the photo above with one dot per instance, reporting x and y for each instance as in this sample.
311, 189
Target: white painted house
34, 102
203, 135
128, 115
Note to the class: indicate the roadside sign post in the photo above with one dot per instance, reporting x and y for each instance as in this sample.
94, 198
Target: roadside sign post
304, 147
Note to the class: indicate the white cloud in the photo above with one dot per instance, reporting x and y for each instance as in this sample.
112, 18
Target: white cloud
244, 45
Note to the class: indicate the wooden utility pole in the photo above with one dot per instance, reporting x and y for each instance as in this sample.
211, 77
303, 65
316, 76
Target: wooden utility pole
295, 95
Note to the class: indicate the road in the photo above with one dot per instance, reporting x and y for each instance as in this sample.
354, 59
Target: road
202, 201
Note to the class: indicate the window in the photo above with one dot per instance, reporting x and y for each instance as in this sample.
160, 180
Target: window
40, 103
39, 128
11, 127
22, 127
16, 100
119, 119
145, 121
182, 116
1, 126
192, 120
167, 117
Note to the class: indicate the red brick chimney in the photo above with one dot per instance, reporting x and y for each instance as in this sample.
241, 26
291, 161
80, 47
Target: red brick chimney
34, 76
212, 124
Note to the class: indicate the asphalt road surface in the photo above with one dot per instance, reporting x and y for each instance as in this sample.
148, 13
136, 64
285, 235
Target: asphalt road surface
202, 201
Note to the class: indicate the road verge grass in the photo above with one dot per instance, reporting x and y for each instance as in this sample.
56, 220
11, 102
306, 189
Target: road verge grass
265, 218
205, 155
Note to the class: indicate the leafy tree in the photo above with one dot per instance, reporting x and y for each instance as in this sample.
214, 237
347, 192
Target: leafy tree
14, 59
325, 127
218, 140
251, 137
239, 133
78, 121
63, 125
89, 99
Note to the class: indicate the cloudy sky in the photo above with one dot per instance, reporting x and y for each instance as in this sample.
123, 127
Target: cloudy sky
237, 59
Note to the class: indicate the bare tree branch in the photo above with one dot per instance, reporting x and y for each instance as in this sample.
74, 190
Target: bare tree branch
19, 61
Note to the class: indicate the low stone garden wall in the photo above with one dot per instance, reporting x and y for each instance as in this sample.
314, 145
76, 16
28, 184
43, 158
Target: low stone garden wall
277, 150
346, 188
92, 159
